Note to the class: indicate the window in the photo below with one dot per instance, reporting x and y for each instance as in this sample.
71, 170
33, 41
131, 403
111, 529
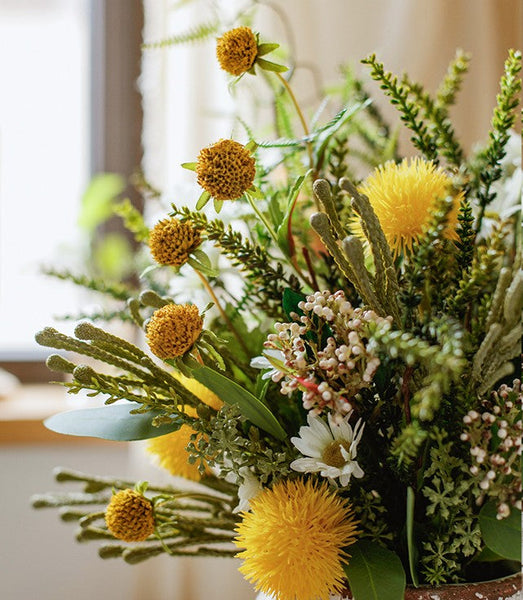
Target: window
69, 108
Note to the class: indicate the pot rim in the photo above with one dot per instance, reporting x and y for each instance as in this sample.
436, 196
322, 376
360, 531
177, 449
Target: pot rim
506, 578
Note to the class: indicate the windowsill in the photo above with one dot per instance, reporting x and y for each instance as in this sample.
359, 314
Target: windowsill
23, 411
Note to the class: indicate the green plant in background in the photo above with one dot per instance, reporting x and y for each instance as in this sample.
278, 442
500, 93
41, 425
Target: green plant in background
349, 400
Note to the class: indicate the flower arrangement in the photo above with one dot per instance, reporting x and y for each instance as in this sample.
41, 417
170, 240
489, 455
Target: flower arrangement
353, 401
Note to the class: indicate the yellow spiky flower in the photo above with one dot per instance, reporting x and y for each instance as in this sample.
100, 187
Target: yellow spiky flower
170, 450
403, 197
294, 540
171, 242
130, 516
236, 50
173, 329
225, 170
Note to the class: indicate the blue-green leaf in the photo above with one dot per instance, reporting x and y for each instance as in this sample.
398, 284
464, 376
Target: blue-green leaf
112, 422
375, 573
502, 536
232, 393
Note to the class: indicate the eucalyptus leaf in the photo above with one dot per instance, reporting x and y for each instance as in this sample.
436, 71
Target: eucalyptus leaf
232, 393
502, 536
375, 573
114, 422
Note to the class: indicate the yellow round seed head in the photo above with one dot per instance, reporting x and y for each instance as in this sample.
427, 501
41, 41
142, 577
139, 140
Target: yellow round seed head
171, 242
225, 170
173, 329
294, 540
129, 516
236, 50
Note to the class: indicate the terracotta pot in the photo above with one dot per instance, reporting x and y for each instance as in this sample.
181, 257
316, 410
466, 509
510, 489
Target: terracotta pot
507, 588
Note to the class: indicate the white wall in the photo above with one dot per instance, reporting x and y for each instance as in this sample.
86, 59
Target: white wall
41, 560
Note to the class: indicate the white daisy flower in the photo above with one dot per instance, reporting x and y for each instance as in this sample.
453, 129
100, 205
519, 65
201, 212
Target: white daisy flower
331, 449
270, 359
249, 487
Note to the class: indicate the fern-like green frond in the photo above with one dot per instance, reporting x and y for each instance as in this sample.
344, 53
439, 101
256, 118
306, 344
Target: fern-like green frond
199, 33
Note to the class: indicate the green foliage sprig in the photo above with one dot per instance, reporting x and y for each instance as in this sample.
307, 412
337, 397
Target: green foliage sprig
399, 94
267, 275
486, 166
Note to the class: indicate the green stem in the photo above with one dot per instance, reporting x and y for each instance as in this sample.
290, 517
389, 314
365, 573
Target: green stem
224, 315
299, 112
262, 217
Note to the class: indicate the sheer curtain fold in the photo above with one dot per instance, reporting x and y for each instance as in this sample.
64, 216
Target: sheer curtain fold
187, 106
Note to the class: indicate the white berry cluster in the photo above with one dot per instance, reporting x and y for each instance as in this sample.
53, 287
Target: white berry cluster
495, 439
327, 351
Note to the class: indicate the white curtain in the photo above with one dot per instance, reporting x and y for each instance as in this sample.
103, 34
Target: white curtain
187, 106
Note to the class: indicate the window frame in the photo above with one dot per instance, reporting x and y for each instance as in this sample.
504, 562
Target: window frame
116, 119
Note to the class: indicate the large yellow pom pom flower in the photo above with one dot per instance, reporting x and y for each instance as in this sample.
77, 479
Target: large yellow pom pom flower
225, 170
130, 516
171, 242
173, 329
294, 540
403, 197
170, 450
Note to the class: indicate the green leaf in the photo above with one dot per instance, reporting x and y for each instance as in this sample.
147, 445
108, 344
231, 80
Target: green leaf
375, 573
411, 547
190, 166
290, 302
486, 555
232, 393
270, 66
203, 268
255, 192
218, 204
264, 49
251, 146
113, 422
502, 536
148, 270
98, 198
202, 200
283, 230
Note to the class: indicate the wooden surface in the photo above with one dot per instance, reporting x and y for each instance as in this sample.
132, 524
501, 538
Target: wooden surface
23, 411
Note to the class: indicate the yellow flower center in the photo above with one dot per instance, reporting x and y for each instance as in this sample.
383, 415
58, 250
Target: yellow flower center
332, 455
